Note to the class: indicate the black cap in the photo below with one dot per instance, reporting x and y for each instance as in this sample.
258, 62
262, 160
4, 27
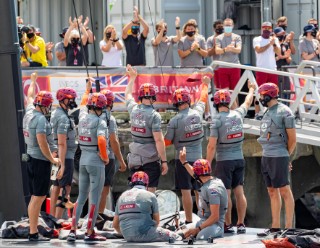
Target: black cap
64, 30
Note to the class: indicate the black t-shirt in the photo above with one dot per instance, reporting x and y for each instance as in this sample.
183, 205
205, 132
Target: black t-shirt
135, 47
283, 47
74, 55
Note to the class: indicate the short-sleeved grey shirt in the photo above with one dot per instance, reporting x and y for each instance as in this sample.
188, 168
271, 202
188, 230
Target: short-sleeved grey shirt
228, 128
309, 47
163, 53
194, 58
273, 136
59, 47
223, 41
210, 44
135, 208
213, 192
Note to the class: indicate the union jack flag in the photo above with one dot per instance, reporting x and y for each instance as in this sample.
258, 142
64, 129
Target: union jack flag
117, 84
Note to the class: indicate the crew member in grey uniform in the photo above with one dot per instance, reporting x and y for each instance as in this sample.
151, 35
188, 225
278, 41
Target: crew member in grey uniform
147, 151
65, 138
213, 200
278, 141
94, 157
113, 150
225, 141
163, 44
113, 145
38, 137
186, 130
137, 214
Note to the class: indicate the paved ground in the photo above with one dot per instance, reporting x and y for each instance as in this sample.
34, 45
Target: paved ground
248, 240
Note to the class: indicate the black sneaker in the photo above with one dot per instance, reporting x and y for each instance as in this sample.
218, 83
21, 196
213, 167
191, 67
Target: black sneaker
241, 228
228, 228
270, 231
72, 236
37, 237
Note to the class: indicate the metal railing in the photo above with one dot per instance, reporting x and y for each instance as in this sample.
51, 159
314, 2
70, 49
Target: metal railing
308, 131
301, 91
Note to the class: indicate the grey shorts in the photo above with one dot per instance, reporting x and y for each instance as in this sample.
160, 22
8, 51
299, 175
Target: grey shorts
231, 172
109, 173
275, 171
66, 179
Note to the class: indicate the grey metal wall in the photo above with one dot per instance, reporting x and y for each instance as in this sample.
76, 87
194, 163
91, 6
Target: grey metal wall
52, 15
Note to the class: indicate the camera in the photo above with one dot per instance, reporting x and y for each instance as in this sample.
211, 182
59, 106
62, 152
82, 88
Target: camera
21, 31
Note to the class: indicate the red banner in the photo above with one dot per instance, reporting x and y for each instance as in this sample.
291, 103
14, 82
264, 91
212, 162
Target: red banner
165, 79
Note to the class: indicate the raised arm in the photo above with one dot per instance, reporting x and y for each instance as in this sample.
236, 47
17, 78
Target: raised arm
142, 22
249, 98
132, 74
32, 88
178, 31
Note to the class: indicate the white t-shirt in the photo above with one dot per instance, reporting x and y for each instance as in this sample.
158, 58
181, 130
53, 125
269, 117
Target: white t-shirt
113, 57
266, 59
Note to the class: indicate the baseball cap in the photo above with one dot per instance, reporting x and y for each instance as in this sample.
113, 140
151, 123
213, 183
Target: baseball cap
278, 30
308, 28
266, 24
64, 30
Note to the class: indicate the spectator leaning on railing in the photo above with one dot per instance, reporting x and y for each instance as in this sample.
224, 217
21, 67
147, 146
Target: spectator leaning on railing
309, 46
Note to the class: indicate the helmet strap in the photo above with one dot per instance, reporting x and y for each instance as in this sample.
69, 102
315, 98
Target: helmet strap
197, 178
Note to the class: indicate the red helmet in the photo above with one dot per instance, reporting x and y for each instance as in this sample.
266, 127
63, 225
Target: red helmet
43, 98
97, 100
181, 96
202, 167
269, 89
140, 178
66, 93
222, 97
109, 95
147, 90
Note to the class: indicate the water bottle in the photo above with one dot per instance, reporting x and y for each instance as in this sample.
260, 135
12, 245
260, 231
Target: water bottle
54, 172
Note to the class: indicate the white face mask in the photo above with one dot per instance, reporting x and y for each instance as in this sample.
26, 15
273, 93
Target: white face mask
228, 29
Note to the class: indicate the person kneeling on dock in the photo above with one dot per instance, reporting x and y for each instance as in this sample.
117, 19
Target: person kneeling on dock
213, 200
137, 215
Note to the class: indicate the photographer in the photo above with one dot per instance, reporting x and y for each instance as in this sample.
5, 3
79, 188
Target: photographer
34, 49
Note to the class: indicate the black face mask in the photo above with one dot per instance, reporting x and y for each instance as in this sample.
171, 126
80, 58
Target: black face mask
219, 30
316, 26
281, 37
108, 35
191, 33
135, 30
284, 27
314, 34
265, 100
75, 41
72, 104
30, 35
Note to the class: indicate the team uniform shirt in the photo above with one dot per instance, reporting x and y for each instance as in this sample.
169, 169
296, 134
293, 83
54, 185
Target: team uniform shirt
228, 128
135, 208
194, 58
210, 44
63, 124
113, 57
273, 136
40, 56
213, 192
266, 59
163, 53
223, 41
144, 121
185, 129
136, 52
59, 47
90, 127
112, 129
34, 122
309, 47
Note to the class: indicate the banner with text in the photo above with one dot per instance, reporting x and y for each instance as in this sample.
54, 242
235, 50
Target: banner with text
165, 79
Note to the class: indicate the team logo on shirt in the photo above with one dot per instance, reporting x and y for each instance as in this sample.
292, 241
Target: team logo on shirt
138, 129
127, 206
195, 133
85, 138
234, 135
